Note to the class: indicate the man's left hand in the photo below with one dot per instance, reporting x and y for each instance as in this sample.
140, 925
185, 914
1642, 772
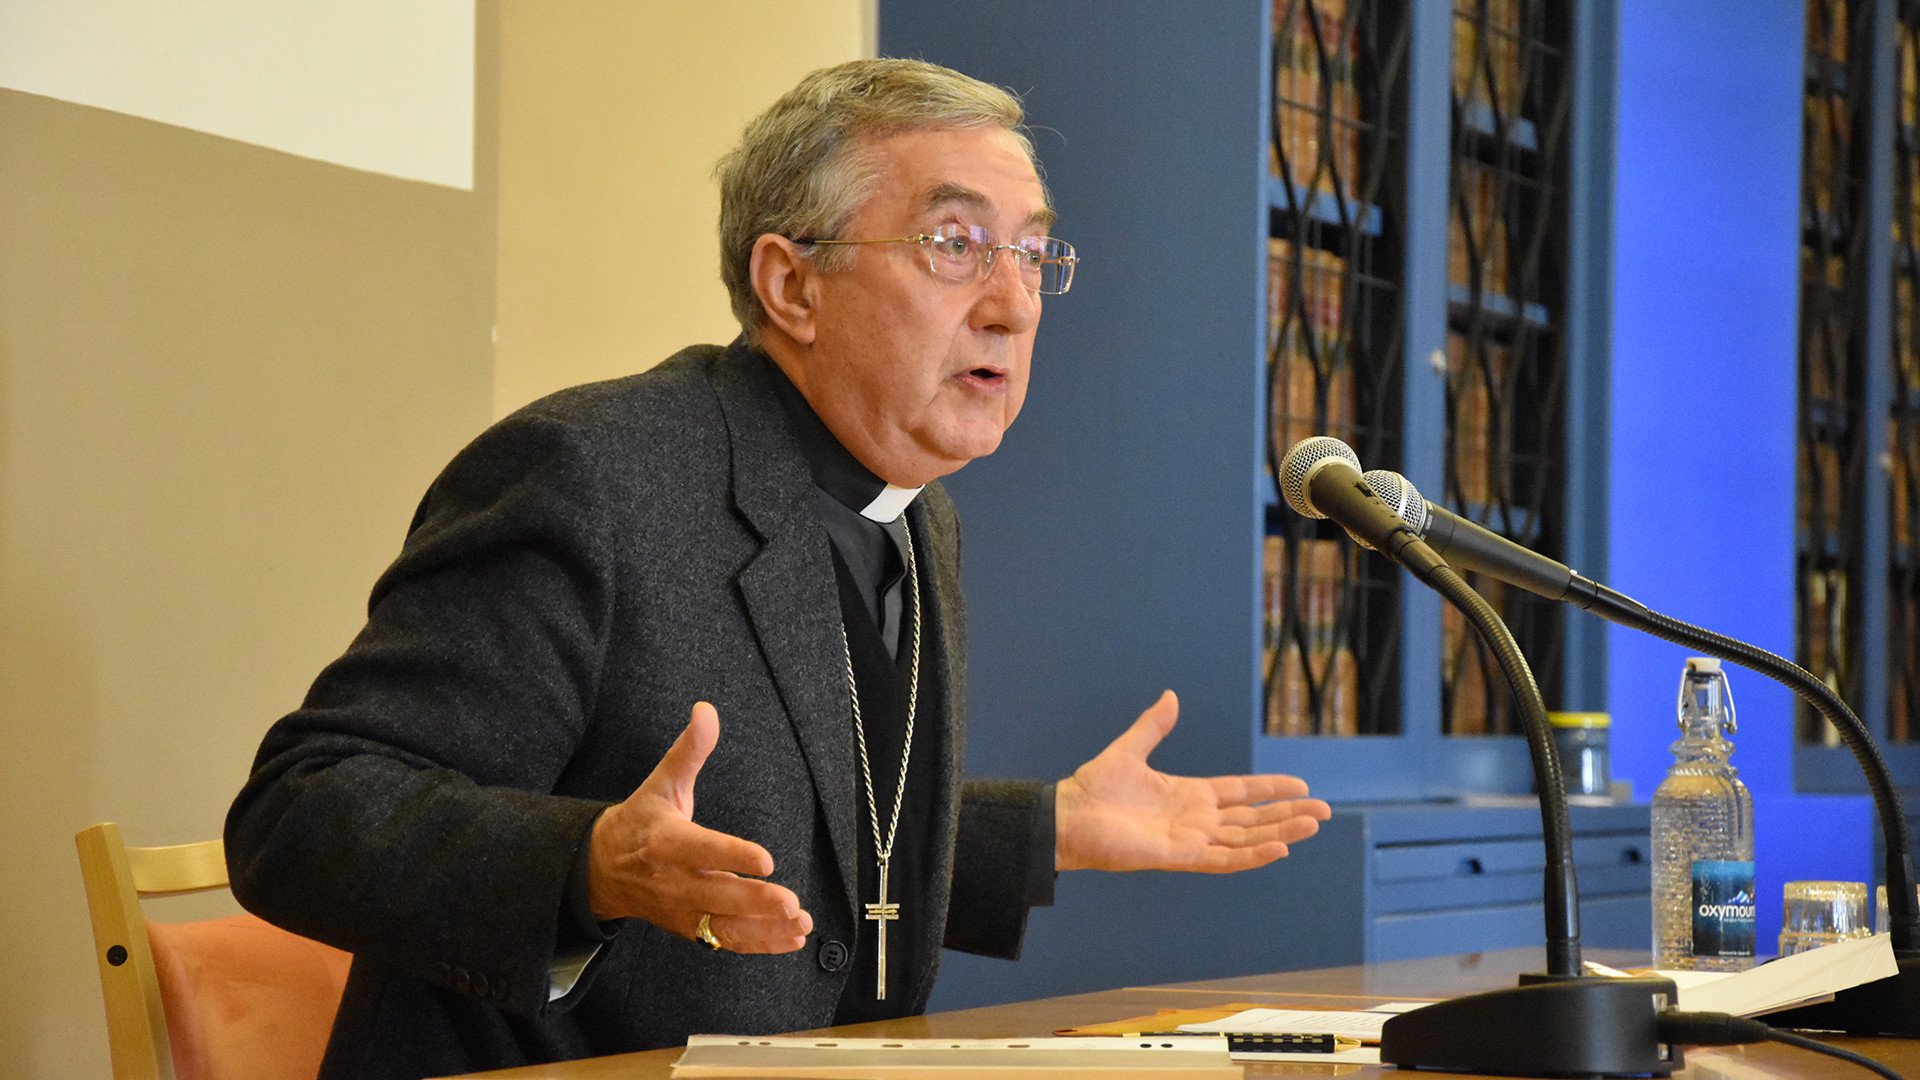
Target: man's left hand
1117, 813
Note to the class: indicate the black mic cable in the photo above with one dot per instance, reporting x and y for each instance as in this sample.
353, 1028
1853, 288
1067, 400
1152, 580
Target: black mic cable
1725, 1029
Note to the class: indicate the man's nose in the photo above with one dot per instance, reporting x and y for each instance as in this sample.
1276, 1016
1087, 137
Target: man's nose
1006, 301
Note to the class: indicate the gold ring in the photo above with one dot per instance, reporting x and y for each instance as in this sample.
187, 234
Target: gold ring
705, 933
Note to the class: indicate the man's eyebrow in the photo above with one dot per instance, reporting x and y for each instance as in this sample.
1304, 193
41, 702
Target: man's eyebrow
948, 193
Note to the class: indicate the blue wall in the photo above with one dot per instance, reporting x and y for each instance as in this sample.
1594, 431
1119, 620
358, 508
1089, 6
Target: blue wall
1705, 297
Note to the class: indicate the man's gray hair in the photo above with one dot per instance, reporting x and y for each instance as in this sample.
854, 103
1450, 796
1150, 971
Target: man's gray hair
801, 171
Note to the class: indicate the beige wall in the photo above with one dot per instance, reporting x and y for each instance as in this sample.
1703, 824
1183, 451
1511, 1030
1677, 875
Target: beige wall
227, 373
612, 117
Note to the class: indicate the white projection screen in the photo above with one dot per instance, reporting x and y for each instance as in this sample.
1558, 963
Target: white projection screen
384, 86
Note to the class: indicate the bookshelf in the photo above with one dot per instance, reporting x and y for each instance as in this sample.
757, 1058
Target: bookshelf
1266, 220
1857, 564
1831, 426
1334, 330
1516, 382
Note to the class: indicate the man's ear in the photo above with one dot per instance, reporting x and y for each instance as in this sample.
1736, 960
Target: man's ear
784, 279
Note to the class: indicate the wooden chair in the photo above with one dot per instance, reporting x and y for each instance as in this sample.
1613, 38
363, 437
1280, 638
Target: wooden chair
218, 999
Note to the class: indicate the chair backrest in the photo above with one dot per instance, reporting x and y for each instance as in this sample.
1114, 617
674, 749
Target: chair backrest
219, 999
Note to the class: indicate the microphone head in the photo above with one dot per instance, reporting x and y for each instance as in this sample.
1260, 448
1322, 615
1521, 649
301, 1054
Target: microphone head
1398, 492
1306, 458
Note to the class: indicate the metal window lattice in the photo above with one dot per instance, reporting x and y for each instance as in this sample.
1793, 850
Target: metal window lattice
1333, 352
1830, 431
1506, 393
1903, 442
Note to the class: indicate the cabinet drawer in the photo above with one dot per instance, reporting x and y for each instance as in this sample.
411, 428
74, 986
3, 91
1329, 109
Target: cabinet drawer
1472, 858
1441, 933
1490, 857
1615, 922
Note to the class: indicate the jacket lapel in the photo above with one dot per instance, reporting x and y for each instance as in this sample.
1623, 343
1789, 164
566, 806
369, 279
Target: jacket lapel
790, 592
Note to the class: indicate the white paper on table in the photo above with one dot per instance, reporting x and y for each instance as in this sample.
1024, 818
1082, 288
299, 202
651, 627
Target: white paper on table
1354, 1024
1813, 975
1082, 1058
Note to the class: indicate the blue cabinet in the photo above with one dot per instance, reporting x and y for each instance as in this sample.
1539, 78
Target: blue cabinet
1440, 879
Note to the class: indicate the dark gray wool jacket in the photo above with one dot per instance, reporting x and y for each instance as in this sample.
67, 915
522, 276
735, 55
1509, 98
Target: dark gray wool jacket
578, 577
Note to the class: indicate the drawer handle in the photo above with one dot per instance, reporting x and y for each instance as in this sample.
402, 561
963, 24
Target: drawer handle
1473, 866
1631, 856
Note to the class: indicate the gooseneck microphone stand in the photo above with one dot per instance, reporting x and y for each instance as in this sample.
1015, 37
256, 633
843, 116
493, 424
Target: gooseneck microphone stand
1554, 1024
1561, 889
1889, 1006
1560, 1022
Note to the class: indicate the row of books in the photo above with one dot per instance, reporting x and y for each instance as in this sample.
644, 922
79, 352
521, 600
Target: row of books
1477, 235
1488, 42
1829, 149
1492, 77
1313, 680
1821, 501
1312, 676
1906, 226
1309, 656
1824, 615
1826, 324
1479, 390
1909, 80
1827, 30
1906, 340
1315, 98
1477, 701
1903, 478
1307, 344
1903, 663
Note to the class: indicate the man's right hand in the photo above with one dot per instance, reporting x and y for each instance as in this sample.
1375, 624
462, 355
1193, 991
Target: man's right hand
648, 860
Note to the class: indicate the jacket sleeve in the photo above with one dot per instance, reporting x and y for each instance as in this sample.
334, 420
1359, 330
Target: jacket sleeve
1002, 865
403, 812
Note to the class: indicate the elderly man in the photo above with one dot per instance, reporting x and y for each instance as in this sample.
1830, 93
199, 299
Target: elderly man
734, 571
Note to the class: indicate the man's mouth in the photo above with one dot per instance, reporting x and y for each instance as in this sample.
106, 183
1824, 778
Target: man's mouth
985, 376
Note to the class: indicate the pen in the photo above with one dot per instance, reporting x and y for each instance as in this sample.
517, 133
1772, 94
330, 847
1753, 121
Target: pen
1287, 1043
1253, 1042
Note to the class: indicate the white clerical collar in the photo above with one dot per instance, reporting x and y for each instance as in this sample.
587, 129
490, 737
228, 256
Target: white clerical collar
890, 503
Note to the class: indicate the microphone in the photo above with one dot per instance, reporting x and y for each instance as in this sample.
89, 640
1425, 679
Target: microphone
1320, 478
1463, 543
1472, 546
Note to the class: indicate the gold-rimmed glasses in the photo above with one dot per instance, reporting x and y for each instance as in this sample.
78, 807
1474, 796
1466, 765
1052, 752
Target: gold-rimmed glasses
965, 253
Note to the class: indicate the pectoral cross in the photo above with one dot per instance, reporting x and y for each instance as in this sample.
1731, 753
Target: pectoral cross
881, 914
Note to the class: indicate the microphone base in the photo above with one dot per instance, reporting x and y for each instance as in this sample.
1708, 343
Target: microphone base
1889, 1006
1589, 1027
1534, 978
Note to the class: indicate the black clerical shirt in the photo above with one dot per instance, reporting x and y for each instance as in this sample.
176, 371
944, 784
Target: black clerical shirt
877, 612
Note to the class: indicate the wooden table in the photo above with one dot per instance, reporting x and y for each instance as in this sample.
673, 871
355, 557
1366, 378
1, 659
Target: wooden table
1346, 987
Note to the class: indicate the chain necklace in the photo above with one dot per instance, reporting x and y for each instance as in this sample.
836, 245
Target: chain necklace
883, 912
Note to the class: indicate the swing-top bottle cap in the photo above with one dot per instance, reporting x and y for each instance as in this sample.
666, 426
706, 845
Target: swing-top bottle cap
1703, 698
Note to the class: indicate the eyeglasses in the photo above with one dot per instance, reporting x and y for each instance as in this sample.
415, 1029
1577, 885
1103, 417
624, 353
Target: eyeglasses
963, 253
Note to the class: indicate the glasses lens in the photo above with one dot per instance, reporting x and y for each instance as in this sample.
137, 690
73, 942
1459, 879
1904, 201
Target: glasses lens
954, 252
1052, 262
960, 253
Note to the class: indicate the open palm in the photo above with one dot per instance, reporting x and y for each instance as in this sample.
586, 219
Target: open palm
1118, 813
